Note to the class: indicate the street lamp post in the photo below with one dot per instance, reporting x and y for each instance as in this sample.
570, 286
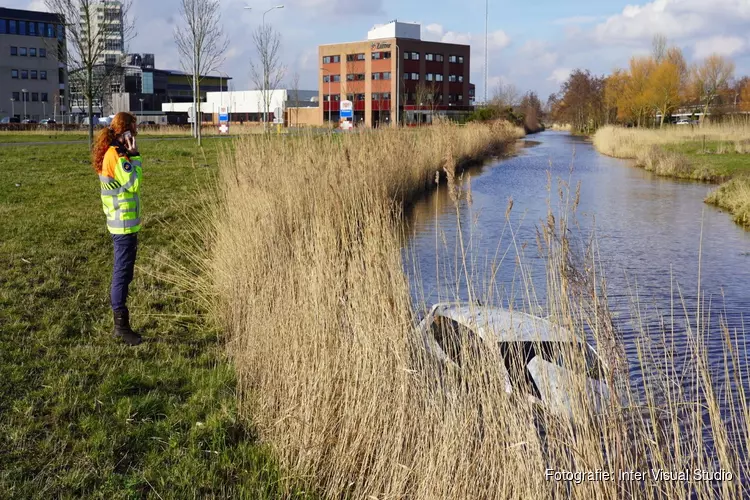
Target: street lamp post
265, 71
12, 106
330, 104
141, 99
24, 98
398, 82
44, 109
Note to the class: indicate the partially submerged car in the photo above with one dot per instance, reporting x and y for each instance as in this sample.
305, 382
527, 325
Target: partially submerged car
541, 361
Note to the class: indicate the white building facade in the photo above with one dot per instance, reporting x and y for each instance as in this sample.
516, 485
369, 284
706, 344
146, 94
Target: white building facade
248, 105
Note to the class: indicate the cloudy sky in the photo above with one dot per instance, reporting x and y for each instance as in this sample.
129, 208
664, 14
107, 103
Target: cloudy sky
532, 44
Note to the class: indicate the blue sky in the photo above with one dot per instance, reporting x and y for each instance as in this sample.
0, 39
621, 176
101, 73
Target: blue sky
533, 44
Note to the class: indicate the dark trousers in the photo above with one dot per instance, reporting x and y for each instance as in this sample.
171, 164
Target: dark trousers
126, 246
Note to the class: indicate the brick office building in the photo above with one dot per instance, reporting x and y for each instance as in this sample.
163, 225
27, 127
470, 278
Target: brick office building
433, 77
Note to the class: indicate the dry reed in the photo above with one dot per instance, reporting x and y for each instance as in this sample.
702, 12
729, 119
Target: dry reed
306, 277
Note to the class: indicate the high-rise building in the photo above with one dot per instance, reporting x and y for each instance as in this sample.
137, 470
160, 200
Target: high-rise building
32, 68
107, 22
394, 73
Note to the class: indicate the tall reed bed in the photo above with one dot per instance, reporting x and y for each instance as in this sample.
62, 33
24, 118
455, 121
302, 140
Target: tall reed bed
306, 277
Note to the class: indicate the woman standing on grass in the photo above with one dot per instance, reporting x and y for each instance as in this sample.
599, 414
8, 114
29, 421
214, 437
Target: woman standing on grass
118, 163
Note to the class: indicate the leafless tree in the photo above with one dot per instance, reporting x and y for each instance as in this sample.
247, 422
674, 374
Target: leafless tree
506, 95
201, 44
659, 48
266, 69
295, 96
85, 36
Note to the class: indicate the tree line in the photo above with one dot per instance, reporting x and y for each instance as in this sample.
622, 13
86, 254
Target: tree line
650, 90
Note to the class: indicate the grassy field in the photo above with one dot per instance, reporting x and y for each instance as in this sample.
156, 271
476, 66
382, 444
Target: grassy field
82, 416
714, 153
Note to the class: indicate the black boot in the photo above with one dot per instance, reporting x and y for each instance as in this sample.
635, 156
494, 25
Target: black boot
122, 328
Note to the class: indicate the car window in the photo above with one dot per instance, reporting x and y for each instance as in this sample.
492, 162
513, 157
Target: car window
455, 339
568, 355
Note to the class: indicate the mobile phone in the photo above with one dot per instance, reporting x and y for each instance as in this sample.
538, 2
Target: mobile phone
127, 135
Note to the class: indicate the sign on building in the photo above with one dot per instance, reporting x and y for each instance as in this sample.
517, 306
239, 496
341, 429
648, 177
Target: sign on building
223, 128
223, 114
346, 109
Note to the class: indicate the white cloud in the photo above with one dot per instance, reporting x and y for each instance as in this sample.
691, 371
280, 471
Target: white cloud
559, 75
677, 19
722, 45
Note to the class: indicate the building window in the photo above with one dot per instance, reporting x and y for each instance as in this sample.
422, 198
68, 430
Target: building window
406, 56
385, 96
22, 51
415, 56
355, 57
32, 52
460, 59
35, 97
360, 97
45, 97
16, 96
460, 97
406, 76
438, 77
381, 55
14, 73
39, 29
375, 97
42, 75
326, 78
355, 77
326, 97
336, 97
336, 78
376, 76
24, 74
452, 59
429, 57
415, 76
349, 97
3, 26
439, 57
451, 78
461, 78
375, 56
32, 29
386, 75
110, 59
428, 77
331, 59
50, 30
33, 74
14, 51
21, 27
42, 52
13, 27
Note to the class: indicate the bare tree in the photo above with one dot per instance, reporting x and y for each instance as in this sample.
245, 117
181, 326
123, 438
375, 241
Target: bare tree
201, 44
295, 96
266, 69
709, 79
659, 48
506, 95
86, 36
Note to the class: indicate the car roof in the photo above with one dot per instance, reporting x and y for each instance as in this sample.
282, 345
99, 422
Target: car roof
504, 324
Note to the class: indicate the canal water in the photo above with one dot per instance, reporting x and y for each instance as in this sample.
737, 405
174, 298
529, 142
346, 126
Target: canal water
655, 237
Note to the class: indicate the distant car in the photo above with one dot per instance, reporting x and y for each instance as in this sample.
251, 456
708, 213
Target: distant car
29, 121
683, 122
150, 122
10, 119
47, 121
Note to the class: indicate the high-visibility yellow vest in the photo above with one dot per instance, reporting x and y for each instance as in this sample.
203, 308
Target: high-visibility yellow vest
120, 182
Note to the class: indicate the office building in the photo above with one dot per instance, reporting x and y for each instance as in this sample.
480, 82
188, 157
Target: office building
32, 76
395, 73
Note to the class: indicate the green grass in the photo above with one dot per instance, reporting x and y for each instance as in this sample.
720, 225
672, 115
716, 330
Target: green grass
709, 156
81, 415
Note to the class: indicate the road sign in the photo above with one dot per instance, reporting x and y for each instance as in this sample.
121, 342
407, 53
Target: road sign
223, 114
191, 115
346, 109
223, 128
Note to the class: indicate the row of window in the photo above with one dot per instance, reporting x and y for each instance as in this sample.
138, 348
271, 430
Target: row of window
414, 56
29, 28
30, 96
433, 77
408, 96
30, 52
28, 74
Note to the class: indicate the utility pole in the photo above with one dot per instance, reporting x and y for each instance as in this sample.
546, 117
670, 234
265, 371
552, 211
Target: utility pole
25, 98
486, 45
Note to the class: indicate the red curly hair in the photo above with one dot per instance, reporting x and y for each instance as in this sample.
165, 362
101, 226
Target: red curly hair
121, 123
